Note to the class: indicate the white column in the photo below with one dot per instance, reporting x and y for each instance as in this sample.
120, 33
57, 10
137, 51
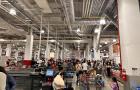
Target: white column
88, 52
61, 53
8, 50
129, 27
16, 54
47, 52
0, 50
57, 53
111, 56
96, 52
84, 53
28, 50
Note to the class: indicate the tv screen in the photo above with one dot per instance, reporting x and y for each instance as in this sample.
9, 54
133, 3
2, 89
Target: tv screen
49, 72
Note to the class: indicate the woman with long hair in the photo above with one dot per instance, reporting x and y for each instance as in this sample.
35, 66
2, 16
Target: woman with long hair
114, 84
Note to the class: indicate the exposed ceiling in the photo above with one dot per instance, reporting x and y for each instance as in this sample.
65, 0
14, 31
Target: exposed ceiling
62, 16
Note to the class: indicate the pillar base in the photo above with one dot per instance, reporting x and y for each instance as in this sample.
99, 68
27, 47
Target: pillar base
27, 63
132, 82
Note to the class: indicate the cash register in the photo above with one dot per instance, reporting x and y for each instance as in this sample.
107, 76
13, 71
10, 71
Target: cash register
49, 76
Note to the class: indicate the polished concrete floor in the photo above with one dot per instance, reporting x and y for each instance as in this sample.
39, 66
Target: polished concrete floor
92, 87
107, 86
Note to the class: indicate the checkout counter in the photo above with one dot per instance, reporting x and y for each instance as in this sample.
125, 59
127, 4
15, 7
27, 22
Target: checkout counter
28, 79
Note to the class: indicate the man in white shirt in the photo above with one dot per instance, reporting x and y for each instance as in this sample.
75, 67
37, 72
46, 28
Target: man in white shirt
85, 66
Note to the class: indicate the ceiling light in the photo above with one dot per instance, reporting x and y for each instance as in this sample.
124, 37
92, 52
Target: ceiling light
78, 30
97, 30
2, 40
78, 41
52, 40
102, 21
114, 40
105, 42
42, 31
104, 50
100, 45
12, 11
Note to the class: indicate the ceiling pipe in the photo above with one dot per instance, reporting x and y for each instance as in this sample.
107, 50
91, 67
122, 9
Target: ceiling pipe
91, 8
22, 2
50, 41
101, 7
4, 9
87, 8
21, 11
63, 3
82, 22
99, 36
113, 22
72, 11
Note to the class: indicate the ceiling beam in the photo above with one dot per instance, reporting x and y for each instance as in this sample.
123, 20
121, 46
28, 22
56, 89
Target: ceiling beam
50, 41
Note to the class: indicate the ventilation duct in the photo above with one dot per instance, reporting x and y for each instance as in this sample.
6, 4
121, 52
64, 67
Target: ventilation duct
44, 5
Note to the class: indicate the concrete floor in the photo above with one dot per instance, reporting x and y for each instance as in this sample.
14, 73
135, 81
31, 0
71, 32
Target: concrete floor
92, 87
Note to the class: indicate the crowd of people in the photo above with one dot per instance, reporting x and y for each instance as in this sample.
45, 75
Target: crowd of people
99, 68
85, 67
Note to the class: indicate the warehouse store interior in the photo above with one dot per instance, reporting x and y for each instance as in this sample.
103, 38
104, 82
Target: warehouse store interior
90, 44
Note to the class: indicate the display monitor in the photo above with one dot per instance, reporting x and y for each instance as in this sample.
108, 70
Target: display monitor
49, 72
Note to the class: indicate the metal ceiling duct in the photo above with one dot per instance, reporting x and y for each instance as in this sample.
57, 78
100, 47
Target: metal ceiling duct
43, 4
63, 3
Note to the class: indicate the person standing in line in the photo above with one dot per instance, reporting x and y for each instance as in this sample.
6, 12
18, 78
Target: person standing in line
10, 81
108, 68
85, 66
2, 78
114, 85
78, 70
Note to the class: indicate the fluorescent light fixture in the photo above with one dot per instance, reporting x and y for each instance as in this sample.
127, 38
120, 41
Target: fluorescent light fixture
114, 40
42, 31
78, 30
105, 42
97, 30
78, 41
102, 21
25, 40
52, 40
2, 40
13, 11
